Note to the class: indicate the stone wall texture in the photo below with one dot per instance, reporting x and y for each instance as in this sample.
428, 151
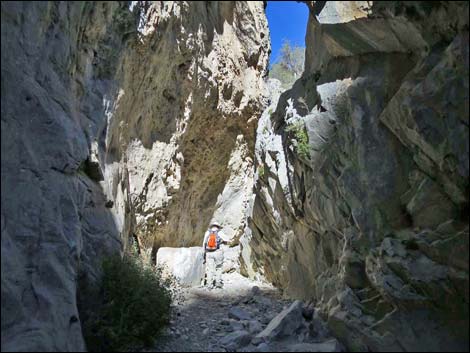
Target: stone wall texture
372, 222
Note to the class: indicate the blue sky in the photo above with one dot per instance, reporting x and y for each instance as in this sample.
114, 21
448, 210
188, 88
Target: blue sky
286, 19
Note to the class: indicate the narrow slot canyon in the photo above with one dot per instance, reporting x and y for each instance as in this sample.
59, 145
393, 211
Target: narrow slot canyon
180, 176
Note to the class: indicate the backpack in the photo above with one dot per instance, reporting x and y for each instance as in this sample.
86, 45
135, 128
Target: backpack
212, 241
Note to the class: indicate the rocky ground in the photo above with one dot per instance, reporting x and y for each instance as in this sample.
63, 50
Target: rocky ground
243, 316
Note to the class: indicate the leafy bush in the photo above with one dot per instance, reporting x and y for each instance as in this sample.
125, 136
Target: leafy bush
300, 134
135, 306
261, 170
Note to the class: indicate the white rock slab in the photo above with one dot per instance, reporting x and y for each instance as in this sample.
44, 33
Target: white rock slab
185, 264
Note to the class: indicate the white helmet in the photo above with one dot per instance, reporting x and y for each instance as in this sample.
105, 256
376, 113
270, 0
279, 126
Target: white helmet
216, 224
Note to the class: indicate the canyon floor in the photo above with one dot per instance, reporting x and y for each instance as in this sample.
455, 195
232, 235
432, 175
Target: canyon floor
234, 317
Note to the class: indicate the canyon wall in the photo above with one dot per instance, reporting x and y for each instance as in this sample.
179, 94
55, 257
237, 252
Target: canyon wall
183, 122
120, 122
361, 192
55, 223
138, 123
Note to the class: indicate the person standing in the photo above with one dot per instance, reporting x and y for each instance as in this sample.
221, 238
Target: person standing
213, 255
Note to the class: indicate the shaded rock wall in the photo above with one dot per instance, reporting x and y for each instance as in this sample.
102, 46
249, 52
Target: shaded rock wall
54, 221
118, 123
55, 225
372, 222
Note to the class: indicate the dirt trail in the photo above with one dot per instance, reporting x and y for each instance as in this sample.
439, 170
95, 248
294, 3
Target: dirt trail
202, 318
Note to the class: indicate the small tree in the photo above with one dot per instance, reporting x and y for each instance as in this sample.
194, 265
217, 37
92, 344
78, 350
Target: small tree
289, 65
292, 58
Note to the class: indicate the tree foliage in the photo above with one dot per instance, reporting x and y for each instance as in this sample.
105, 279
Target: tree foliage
289, 65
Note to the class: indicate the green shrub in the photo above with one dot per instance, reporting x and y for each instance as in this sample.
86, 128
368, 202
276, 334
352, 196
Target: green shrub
300, 134
134, 307
261, 170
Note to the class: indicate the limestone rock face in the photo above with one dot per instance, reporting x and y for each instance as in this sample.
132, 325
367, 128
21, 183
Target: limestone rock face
372, 222
118, 123
54, 221
183, 122
184, 264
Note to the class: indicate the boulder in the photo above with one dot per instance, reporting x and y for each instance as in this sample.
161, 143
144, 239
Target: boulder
236, 340
185, 264
238, 314
285, 323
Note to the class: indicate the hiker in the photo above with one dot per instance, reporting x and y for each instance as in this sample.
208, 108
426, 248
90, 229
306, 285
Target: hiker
213, 257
